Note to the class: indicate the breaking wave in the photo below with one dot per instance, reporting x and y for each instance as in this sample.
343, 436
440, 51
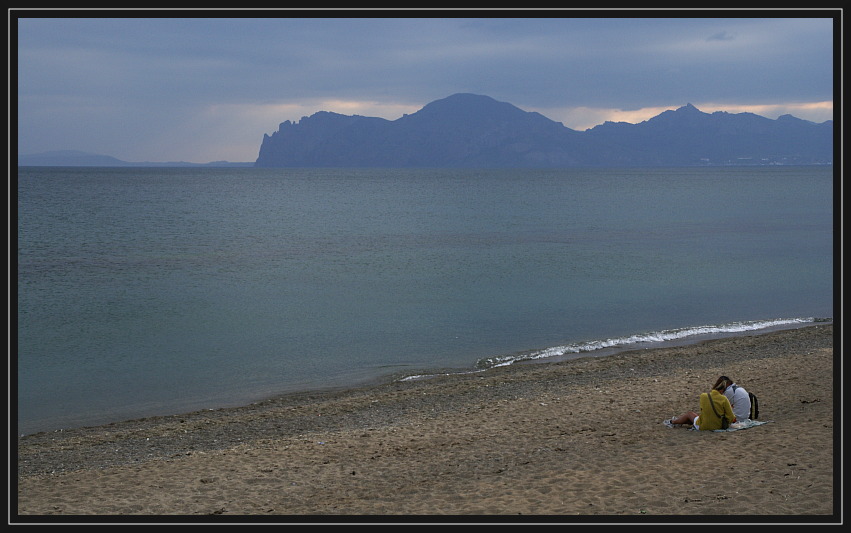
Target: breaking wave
666, 335
631, 341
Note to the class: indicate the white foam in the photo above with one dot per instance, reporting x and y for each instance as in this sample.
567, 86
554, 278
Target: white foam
667, 335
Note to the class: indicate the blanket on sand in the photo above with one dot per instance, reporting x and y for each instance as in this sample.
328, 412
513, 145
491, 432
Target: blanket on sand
735, 426
744, 424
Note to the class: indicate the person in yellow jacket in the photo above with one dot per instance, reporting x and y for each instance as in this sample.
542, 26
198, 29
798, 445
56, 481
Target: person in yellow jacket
708, 418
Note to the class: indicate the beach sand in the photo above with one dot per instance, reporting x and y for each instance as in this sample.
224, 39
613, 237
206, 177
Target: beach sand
527, 442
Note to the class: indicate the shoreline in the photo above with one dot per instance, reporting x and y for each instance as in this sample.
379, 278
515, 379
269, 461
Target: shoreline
514, 439
599, 348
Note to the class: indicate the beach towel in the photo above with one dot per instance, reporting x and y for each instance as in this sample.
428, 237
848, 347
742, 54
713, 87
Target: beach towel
735, 426
744, 424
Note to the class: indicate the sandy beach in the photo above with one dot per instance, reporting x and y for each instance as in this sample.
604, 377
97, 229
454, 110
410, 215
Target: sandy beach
531, 442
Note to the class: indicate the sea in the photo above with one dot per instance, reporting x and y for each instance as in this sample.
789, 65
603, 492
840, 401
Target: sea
157, 291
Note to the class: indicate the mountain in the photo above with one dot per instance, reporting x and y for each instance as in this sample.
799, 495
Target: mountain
468, 130
688, 136
463, 130
74, 158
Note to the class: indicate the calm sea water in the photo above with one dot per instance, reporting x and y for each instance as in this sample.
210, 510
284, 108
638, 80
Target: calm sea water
147, 291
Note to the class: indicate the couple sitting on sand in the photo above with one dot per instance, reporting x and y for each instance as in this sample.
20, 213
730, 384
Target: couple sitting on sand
725, 399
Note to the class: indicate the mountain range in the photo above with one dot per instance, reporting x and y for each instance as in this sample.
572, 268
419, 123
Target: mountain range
468, 130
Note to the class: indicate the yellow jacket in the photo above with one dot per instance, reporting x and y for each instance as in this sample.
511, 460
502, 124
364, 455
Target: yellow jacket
708, 420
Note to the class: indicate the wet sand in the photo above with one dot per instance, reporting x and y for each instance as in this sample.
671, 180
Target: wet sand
531, 442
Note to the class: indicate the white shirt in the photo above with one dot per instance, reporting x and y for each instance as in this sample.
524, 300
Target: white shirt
740, 401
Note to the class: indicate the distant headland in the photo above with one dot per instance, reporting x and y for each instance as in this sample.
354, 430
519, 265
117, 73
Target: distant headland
75, 158
469, 130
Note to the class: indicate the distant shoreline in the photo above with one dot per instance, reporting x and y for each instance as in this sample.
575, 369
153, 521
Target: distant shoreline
227, 164
99, 161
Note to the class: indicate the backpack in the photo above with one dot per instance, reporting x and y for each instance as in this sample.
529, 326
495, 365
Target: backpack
754, 406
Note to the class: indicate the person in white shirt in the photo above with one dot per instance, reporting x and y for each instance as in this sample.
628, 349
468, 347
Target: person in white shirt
739, 399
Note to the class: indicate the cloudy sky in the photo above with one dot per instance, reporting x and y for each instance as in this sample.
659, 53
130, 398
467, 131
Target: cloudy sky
206, 89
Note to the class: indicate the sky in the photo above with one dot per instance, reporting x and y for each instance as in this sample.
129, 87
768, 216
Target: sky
207, 88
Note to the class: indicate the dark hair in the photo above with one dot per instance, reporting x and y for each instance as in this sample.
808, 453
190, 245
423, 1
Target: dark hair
722, 383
